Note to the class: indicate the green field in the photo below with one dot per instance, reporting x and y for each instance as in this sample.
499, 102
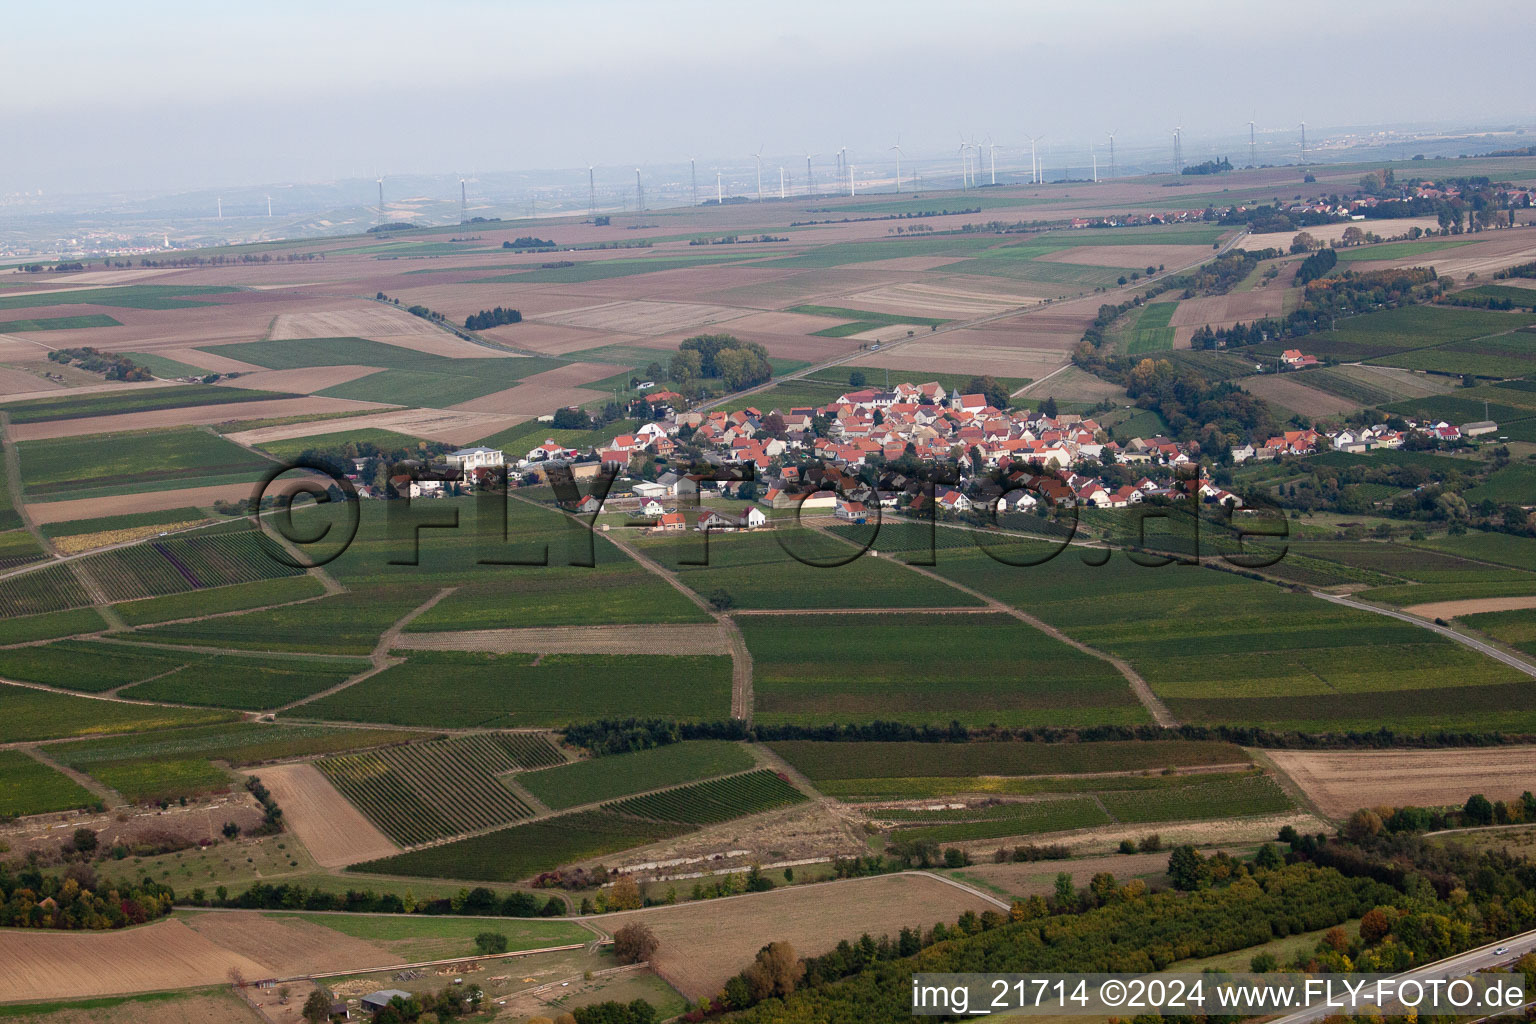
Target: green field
523, 850
1516, 628
59, 323
860, 320
50, 625
224, 599
706, 803
174, 762
604, 778
427, 791
823, 761
134, 296
928, 669
247, 683
757, 572
117, 403
87, 664
28, 714
876, 377
217, 557
31, 787
1150, 332
293, 447
128, 521
415, 938
999, 820
461, 690
129, 463
349, 623
607, 269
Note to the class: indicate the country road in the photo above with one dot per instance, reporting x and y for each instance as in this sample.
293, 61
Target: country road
1519, 664
1456, 966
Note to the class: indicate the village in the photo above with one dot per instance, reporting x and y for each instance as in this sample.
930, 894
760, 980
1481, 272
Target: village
867, 448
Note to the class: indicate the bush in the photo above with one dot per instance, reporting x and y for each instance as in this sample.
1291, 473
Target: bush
490, 942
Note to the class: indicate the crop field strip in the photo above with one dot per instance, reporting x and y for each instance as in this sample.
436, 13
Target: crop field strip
28, 786
604, 778
707, 803
125, 463
433, 790
173, 762
117, 403
184, 562
53, 588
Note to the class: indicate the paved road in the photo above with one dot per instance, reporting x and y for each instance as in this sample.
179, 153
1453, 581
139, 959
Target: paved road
1513, 662
1461, 964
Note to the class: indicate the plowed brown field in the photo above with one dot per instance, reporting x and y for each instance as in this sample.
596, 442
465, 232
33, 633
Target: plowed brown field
333, 831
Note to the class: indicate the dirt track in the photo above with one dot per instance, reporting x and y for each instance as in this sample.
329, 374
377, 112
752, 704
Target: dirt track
655, 639
1342, 781
333, 831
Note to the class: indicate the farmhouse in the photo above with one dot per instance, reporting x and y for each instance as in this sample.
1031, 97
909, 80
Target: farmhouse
376, 1001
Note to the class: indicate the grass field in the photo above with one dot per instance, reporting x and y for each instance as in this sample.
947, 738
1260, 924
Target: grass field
1439, 338
127, 463
248, 683
118, 403
758, 572
1398, 250
832, 762
523, 850
293, 447
908, 668
415, 938
349, 623
59, 323
174, 762
462, 690
50, 625
1150, 332
134, 296
604, 778
223, 599
31, 787
428, 791
28, 714
705, 803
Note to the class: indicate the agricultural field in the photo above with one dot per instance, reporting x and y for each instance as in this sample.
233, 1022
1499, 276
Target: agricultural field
87, 665
706, 803
757, 572
348, 623
875, 377
1228, 649
888, 770
136, 296
240, 597
53, 588
857, 321
30, 714
158, 520
604, 778
50, 626
414, 938
427, 791
520, 851
119, 403
463, 690
249, 683
291, 448
128, 463
1149, 331
997, 820
58, 323
28, 786
193, 561
902, 667
173, 761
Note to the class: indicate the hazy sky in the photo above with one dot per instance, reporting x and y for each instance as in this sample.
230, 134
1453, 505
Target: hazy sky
170, 95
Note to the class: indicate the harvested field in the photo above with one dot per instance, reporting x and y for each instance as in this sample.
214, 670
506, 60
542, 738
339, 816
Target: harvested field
147, 501
936, 300
552, 339
75, 965
787, 324
364, 320
703, 944
1297, 397
652, 639
961, 352
210, 361
1326, 233
1340, 782
1073, 384
302, 380
16, 382
543, 392
643, 317
1038, 878
1131, 255
1225, 310
1454, 609
289, 945
452, 426
333, 831
161, 418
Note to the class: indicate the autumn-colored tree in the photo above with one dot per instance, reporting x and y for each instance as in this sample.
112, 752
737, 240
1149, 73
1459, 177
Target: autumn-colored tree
1374, 926
634, 942
1336, 939
776, 971
624, 894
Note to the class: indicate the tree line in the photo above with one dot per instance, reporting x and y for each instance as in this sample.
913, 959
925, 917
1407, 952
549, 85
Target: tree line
488, 318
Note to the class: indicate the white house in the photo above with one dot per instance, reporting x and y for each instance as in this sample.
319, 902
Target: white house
467, 460
851, 511
751, 519
647, 489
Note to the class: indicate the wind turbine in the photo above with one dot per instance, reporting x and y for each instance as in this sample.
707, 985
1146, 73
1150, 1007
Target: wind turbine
269, 207
1253, 161
1303, 142
220, 201
1095, 154
639, 193
1178, 150
381, 200
463, 202
965, 164
591, 191
1112, 169
810, 181
781, 182
851, 191
1034, 161
897, 148
992, 159
693, 176
719, 189
758, 156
